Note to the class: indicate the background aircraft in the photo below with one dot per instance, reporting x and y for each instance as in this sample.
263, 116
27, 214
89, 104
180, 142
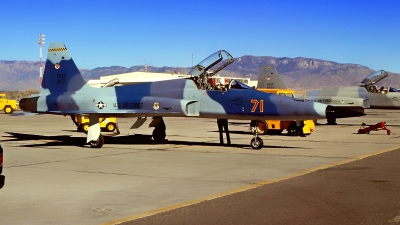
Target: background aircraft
347, 101
366, 95
65, 92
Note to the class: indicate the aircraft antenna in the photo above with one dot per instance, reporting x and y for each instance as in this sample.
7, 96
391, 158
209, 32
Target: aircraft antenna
41, 42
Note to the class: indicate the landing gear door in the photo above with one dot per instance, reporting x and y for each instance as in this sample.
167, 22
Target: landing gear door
193, 108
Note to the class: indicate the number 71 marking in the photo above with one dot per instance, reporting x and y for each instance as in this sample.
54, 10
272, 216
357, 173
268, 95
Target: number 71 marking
255, 105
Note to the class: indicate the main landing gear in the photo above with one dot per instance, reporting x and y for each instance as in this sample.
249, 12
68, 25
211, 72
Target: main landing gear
159, 133
331, 121
98, 143
256, 141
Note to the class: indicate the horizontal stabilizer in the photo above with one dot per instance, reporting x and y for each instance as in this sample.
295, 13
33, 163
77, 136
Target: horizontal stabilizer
139, 122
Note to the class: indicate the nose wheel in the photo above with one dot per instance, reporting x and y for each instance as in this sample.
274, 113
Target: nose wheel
256, 142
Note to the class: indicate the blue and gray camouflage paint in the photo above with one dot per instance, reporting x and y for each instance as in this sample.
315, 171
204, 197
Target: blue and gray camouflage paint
65, 92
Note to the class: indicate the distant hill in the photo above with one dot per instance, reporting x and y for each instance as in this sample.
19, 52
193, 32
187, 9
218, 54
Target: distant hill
299, 73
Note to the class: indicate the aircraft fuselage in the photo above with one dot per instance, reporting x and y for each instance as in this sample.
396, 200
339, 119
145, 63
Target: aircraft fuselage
178, 98
347, 96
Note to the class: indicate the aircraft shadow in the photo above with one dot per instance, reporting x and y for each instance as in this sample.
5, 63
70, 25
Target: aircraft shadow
356, 125
339, 124
261, 135
135, 139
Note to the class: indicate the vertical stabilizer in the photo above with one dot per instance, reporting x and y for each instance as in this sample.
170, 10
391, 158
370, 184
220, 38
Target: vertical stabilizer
270, 78
60, 74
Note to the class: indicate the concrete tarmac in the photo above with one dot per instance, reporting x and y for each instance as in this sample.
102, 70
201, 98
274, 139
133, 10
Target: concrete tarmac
53, 177
365, 191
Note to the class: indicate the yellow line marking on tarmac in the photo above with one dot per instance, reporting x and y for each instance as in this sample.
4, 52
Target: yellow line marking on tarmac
245, 188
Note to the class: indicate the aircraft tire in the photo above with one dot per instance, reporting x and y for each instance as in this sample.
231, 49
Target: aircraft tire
8, 110
159, 135
331, 121
97, 144
257, 143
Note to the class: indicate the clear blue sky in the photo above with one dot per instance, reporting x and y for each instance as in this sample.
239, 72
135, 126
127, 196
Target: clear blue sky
125, 32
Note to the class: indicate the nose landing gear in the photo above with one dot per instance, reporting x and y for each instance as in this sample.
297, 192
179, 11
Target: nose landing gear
256, 141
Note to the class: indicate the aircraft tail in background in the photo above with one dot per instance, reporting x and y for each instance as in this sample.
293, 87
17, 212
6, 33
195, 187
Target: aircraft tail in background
270, 78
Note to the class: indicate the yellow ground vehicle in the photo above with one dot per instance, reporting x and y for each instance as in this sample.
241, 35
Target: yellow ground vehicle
106, 124
277, 126
8, 106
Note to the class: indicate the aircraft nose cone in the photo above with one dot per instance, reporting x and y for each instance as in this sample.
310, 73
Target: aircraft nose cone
344, 112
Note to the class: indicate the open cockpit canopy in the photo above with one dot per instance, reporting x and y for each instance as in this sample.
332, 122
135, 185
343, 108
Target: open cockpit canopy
204, 66
202, 72
374, 78
370, 82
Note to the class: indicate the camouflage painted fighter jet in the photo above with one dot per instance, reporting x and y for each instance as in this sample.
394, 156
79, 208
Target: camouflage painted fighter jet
348, 101
365, 95
65, 92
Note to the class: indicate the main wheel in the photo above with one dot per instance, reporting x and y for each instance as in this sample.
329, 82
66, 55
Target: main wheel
256, 143
159, 135
8, 110
331, 121
98, 143
110, 126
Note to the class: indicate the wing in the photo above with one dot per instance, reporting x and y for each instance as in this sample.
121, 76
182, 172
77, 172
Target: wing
119, 113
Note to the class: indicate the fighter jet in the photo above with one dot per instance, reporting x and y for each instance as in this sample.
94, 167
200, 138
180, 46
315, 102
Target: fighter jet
365, 95
65, 92
348, 101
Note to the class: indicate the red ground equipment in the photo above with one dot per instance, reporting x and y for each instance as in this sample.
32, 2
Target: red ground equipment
365, 129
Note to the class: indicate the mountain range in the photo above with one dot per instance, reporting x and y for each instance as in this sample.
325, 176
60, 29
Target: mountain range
299, 73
